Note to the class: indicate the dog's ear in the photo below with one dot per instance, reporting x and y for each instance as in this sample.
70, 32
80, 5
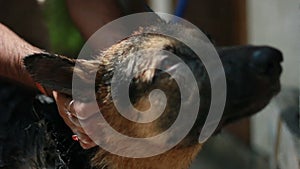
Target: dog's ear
57, 72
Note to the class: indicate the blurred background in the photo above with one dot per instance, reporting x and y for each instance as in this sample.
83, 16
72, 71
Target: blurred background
268, 140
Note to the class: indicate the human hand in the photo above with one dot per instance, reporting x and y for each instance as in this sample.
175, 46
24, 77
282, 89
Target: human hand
72, 112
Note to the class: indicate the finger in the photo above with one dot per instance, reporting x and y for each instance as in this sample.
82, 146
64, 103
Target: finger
74, 120
87, 125
80, 110
81, 122
70, 122
85, 141
91, 126
84, 111
87, 146
62, 101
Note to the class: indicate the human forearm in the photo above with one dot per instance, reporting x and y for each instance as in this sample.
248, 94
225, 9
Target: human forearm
12, 51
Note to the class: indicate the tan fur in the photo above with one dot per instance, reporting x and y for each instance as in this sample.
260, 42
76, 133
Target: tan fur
173, 159
178, 157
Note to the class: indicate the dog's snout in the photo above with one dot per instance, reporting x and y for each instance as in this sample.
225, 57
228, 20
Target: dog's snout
266, 61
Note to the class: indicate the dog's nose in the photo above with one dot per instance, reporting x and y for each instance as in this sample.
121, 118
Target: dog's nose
266, 61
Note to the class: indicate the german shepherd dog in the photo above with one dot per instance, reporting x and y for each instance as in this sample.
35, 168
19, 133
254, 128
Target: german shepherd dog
34, 136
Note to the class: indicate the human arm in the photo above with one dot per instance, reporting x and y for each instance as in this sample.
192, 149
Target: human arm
12, 51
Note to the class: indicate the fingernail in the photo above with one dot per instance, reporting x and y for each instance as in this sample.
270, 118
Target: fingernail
75, 137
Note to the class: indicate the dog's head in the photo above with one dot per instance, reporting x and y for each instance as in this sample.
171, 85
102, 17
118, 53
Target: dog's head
252, 75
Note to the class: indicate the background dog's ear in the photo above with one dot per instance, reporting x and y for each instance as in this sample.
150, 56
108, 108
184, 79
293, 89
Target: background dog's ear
57, 72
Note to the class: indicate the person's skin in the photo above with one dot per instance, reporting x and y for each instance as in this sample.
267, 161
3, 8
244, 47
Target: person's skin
12, 50
88, 15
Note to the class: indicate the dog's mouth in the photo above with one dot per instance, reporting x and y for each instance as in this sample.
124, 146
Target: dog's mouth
243, 108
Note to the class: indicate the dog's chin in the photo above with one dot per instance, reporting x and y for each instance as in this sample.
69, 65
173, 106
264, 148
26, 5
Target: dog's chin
246, 108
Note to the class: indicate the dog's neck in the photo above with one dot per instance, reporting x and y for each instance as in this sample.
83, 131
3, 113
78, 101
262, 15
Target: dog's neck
180, 158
